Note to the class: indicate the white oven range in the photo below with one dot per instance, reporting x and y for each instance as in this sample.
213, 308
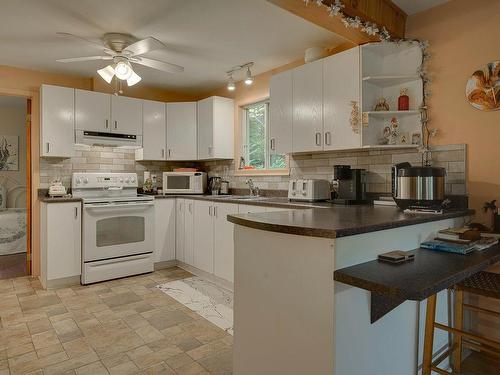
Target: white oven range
117, 226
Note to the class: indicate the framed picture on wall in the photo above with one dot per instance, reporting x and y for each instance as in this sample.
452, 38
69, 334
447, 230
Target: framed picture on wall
9, 153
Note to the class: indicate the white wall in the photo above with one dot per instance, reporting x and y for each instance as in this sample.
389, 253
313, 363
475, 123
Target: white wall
12, 122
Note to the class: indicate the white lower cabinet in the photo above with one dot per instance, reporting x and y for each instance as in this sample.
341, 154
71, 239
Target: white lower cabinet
204, 236
179, 229
224, 241
61, 243
165, 230
184, 230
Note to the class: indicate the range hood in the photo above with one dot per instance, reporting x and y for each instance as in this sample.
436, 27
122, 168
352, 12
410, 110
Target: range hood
96, 138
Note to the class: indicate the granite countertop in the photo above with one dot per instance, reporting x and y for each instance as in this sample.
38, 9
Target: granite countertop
430, 272
46, 199
338, 221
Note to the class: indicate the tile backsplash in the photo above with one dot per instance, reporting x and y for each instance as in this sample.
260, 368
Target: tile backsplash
378, 163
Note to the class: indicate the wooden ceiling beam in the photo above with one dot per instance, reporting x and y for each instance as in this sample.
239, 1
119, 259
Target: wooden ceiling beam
382, 12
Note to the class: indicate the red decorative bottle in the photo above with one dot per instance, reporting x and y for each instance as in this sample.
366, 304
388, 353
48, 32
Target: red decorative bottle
403, 101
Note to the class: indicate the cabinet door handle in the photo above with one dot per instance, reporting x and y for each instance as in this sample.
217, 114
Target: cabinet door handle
273, 144
215, 211
318, 139
116, 124
76, 212
107, 123
169, 153
209, 150
48, 147
328, 138
210, 210
162, 152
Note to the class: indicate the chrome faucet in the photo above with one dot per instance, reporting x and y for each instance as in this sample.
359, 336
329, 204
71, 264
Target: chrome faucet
254, 190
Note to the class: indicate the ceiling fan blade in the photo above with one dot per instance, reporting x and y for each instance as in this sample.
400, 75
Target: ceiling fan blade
81, 38
86, 58
143, 46
159, 65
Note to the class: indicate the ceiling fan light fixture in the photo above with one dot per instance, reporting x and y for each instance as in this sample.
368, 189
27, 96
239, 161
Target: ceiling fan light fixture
249, 78
107, 73
123, 70
134, 78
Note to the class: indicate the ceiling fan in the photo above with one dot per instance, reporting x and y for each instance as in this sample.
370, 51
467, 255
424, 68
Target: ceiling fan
123, 50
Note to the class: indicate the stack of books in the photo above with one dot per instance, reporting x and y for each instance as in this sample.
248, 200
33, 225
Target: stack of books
461, 241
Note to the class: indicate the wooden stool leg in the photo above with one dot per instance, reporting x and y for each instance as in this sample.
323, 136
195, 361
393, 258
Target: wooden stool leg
430, 316
457, 338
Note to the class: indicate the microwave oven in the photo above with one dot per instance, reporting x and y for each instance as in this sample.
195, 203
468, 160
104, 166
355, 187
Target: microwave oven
184, 182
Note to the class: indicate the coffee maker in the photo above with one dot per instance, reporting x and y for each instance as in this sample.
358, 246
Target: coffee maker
349, 185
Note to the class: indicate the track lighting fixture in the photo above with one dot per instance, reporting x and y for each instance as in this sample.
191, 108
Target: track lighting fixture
231, 86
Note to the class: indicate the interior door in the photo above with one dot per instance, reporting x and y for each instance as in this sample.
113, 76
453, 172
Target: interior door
181, 131
126, 114
92, 111
204, 236
308, 107
281, 113
340, 90
154, 137
224, 241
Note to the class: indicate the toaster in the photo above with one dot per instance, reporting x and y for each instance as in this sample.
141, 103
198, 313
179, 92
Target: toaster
309, 190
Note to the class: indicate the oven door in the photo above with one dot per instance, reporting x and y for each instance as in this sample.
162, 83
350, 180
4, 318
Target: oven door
178, 183
113, 230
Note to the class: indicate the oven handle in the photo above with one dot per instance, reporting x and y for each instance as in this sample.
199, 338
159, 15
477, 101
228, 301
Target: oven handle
94, 206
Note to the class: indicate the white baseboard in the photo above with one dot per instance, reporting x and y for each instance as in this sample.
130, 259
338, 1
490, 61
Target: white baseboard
206, 275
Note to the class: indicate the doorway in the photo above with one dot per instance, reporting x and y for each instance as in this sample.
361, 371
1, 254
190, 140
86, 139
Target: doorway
15, 182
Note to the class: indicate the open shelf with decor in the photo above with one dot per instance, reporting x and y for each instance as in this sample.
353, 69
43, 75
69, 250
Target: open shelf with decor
391, 95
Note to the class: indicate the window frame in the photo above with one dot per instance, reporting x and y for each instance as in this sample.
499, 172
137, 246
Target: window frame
244, 149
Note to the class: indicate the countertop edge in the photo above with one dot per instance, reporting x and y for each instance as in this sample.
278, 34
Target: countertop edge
254, 223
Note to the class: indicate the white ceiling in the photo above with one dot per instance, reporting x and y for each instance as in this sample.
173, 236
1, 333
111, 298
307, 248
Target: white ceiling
207, 37
415, 6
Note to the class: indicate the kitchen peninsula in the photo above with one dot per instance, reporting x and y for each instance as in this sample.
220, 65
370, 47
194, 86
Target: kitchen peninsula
291, 317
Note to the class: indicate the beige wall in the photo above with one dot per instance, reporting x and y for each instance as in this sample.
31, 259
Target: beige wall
12, 123
463, 36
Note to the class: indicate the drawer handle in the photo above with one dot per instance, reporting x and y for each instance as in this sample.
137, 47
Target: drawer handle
107, 123
273, 144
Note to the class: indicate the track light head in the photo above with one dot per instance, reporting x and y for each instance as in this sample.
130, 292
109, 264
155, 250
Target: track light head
230, 84
249, 78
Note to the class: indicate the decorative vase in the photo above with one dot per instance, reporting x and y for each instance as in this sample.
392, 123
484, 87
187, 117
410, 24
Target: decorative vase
403, 101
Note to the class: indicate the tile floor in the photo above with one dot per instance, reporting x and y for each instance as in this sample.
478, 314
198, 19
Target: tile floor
125, 326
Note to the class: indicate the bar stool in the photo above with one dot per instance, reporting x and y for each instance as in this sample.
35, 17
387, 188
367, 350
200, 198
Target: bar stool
482, 283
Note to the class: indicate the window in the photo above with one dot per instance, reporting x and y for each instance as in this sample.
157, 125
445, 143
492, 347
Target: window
256, 153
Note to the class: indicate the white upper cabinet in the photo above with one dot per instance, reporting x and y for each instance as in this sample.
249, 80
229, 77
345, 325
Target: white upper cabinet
96, 111
341, 85
92, 111
181, 131
216, 128
126, 114
154, 132
57, 114
281, 113
308, 107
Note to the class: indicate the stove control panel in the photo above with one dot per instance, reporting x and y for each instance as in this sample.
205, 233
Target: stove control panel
104, 180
